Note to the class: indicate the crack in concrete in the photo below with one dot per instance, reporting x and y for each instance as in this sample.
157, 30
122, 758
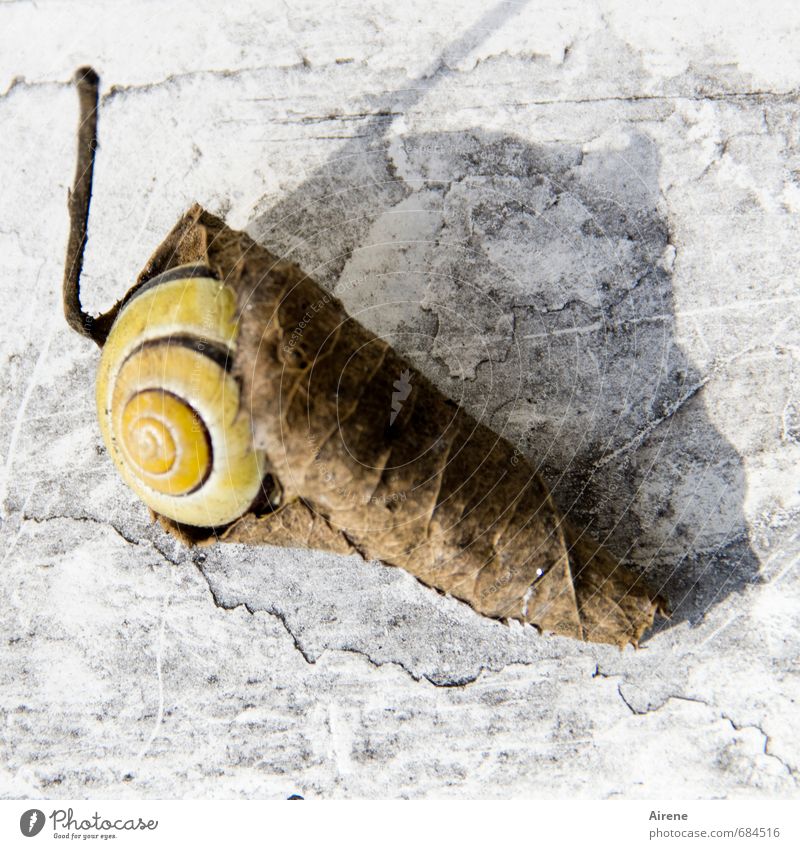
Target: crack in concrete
41, 520
600, 313
637, 439
344, 116
171, 79
131, 540
439, 683
792, 772
312, 660
21, 82
756, 94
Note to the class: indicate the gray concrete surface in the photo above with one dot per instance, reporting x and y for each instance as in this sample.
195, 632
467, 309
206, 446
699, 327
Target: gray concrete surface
580, 221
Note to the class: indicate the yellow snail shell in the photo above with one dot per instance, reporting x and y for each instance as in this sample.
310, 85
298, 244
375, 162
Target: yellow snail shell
168, 406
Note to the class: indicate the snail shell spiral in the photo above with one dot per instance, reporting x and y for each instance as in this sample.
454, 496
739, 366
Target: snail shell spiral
168, 405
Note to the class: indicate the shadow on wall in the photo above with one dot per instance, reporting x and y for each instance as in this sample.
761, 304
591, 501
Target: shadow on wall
532, 283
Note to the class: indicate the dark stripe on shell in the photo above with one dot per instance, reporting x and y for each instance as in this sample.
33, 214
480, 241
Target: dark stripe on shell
182, 272
219, 354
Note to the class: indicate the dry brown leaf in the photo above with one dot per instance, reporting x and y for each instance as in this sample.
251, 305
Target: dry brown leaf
369, 457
